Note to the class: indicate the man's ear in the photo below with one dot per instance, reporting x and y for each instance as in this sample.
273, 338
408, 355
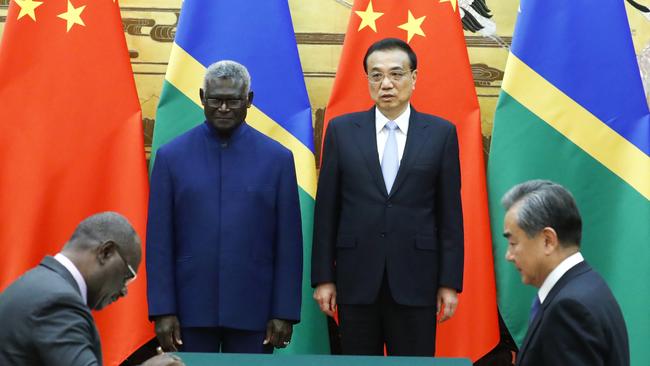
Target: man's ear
550, 239
201, 93
105, 251
250, 99
414, 77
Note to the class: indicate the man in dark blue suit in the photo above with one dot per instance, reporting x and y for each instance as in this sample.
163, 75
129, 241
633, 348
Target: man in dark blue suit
388, 229
224, 241
575, 319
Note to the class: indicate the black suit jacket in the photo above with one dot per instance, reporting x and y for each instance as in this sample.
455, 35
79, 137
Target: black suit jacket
414, 233
579, 323
45, 321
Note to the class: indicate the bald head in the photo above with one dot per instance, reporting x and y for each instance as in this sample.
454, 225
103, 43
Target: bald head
101, 228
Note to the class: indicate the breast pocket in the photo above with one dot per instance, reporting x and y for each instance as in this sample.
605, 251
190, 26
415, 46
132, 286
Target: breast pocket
260, 196
424, 171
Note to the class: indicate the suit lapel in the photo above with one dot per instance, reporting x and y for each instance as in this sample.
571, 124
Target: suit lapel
566, 278
531, 331
367, 142
415, 139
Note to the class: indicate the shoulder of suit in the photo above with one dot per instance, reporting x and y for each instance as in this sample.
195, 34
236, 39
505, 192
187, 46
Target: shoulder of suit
587, 287
349, 117
184, 139
268, 144
432, 119
42, 287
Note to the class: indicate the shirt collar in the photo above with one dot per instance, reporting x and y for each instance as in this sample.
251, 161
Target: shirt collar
557, 273
235, 134
78, 278
402, 120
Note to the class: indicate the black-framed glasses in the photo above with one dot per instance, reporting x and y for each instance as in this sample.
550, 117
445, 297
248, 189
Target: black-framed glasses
230, 103
395, 76
132, 275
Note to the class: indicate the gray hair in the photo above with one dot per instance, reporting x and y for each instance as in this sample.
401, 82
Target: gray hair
543, 203
103, 227
228, 69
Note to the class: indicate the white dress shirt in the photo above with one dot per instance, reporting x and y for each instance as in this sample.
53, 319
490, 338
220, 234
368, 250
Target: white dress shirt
402, 122
557, 273
67, 263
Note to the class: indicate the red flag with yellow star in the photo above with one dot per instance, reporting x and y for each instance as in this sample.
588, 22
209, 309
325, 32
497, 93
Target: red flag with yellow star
444, 88
71, 143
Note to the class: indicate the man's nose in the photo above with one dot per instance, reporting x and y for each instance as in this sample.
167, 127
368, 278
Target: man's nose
223, 106
387, 83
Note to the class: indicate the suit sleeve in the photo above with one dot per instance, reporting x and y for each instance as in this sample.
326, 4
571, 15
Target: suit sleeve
160, 241
64, 334
449, 215
572, 336
326, 215
287, 270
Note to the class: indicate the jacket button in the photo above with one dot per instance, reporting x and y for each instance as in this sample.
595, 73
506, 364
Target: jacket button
389, 205
382, 235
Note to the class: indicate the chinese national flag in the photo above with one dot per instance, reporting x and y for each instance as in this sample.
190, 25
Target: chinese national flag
71, 143
444, 88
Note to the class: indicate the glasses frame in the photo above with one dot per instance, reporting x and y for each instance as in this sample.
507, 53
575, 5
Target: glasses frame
230, 103
395, 76
134, 275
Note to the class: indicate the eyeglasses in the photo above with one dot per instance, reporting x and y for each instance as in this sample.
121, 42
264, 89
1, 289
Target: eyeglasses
132, 275
394, 76
230, 103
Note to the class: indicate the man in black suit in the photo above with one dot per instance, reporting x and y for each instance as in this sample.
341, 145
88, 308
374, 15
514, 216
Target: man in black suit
575, 319
45, 314
388, 230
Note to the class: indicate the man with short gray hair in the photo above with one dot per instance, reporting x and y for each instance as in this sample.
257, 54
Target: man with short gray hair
224, 240
575, 319
45, 314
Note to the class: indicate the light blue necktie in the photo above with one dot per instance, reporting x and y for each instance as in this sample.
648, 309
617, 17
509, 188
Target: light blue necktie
390, 161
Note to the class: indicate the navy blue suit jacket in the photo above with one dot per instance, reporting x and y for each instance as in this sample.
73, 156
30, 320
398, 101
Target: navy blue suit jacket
224, 241
414, 233
579, 324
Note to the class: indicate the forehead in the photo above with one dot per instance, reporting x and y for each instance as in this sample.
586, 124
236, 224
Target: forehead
388, 59
224, 86
510, 220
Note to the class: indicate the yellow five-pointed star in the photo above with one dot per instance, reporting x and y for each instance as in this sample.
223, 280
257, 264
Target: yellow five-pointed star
454, 3
413, 26
73, 15
368, 18
27, 8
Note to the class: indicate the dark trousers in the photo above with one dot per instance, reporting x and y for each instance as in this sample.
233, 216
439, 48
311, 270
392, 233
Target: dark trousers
224, 340
405, 330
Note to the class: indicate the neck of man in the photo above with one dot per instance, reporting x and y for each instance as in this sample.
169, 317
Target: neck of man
558, 256
392, 113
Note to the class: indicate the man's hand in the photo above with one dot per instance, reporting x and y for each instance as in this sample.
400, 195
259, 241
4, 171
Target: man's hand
168, 332
278, 333
325, 296
165, 359
447, 301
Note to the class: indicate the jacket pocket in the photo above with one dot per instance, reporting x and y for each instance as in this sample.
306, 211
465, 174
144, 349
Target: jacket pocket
426, 243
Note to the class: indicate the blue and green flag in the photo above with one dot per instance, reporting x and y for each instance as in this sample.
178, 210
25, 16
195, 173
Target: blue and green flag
572, 110
258, 34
